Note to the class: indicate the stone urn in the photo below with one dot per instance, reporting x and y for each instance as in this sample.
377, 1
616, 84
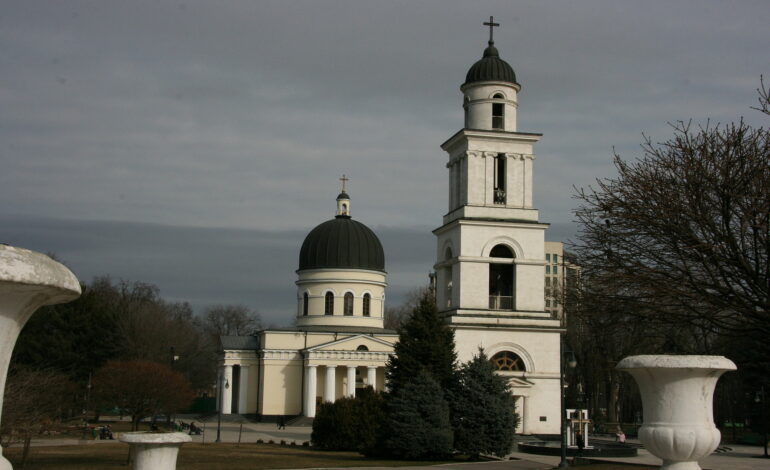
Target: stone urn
677, 398
28, 280
154, 450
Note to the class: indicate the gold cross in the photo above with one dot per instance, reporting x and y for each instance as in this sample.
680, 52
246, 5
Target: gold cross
344, 180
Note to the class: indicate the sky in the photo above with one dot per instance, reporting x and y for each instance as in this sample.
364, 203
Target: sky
193, 144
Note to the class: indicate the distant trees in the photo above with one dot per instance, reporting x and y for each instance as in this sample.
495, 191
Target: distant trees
141, 389
128, 321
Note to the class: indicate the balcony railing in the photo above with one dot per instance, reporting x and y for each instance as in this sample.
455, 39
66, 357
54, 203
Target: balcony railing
500, 302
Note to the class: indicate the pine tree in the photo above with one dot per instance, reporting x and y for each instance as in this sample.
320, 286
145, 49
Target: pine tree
483, 410
418, 421
425, 343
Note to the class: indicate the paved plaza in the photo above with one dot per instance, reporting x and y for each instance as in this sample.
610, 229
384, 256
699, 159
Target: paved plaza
736, 457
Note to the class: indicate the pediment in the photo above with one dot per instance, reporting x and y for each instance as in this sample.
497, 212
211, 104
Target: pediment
353, 343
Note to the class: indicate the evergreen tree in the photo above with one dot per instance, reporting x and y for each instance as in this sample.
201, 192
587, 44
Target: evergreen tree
425, 343
418, 424
483, 410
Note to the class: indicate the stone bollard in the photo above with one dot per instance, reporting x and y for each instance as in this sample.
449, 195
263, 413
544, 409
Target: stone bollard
28, 280
154, 450
677, 400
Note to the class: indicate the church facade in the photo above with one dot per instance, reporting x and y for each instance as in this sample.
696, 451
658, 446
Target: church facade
489, 282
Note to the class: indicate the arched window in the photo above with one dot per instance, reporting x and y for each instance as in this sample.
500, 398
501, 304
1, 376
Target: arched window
329, 304
498, 112
362, 348
348, 304
502, 280
304, 303
507, 361
367, 304
501, 251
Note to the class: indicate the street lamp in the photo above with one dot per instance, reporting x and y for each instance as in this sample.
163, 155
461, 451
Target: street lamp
760, 398
221, 401
566, 358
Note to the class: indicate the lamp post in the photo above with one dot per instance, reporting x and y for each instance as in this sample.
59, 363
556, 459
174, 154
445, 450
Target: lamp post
761, 398
565, 355
221, 400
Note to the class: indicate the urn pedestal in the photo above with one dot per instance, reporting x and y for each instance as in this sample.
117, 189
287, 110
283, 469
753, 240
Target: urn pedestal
28, 280
154, 450
677, 400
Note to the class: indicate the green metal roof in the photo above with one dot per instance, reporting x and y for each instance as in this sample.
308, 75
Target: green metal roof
490, 68
342, 243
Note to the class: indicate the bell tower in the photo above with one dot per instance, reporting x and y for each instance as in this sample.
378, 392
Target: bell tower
490, 259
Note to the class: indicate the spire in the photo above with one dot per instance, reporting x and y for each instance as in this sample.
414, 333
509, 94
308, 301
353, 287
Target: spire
343, 200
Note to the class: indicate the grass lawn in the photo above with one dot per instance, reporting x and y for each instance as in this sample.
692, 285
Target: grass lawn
197, 457
216, 457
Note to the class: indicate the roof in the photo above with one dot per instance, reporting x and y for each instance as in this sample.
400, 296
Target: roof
490, 68
342, 243
239, 342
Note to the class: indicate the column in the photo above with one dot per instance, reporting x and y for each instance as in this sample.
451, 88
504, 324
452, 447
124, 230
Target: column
371, 377
351, 391
243, 389
310, 387
330, 387
523, 415
227, 390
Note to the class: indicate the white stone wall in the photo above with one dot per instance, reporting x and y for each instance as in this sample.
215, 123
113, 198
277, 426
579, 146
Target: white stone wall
479, 104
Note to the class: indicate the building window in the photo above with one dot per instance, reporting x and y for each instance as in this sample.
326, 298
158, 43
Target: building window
499, 179
367, 304
348, 304
555, 259
304, 303
508, 361
548, 258
501, 280
555, 268
548, 269
329, 304
466, 103
498, 116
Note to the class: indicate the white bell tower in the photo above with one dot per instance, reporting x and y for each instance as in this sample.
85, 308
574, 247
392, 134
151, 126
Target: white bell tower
490, 269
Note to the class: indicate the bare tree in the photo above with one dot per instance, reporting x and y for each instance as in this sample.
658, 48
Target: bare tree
682, 231
34, 403
141, 388
230, 320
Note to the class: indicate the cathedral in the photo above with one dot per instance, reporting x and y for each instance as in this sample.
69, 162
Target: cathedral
489, 281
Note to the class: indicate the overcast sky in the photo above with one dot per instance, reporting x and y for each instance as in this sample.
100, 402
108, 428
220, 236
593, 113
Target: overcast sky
193, 144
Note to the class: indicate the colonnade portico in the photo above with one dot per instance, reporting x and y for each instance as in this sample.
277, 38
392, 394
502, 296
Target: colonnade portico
331, 380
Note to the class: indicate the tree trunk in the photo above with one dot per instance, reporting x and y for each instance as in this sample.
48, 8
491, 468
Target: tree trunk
25, 452
134, 423
613, 390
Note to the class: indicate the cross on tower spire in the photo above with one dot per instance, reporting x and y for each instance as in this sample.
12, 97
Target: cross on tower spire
344, 180
491, 25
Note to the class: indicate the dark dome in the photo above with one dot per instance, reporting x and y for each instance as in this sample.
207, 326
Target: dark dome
490, 68
342, 243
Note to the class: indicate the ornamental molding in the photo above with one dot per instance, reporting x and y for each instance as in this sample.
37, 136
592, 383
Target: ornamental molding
370, 356
280, 355
474, 154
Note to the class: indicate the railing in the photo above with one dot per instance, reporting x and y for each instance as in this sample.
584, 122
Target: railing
499, 196
500, 302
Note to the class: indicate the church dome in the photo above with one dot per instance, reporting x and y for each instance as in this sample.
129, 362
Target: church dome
490, 68
342, 243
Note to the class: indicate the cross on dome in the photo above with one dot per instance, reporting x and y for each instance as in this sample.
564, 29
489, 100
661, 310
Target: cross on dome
344, 180
491, 25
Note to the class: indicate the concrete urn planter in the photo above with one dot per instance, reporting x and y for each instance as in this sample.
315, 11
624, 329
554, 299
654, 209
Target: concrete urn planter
155, 450
28, 280
677, 395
